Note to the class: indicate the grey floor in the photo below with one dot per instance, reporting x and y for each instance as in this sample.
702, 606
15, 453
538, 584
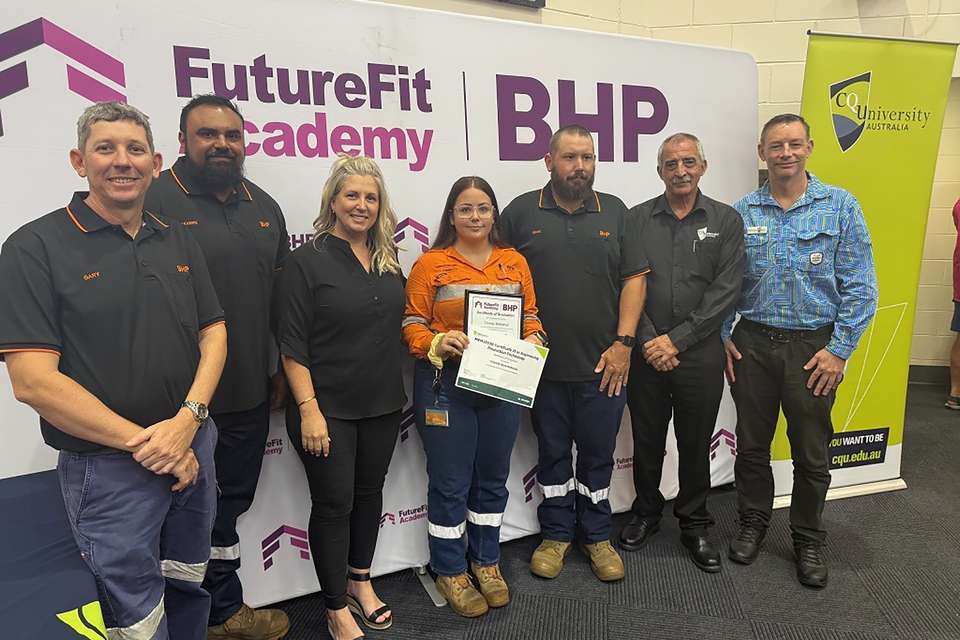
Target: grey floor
894, 572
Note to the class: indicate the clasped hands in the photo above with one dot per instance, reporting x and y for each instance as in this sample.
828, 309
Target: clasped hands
164, 448
661, 354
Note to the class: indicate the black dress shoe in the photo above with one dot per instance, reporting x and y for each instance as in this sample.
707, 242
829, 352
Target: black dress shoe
811, 566
704, 553
745, 548
637, 533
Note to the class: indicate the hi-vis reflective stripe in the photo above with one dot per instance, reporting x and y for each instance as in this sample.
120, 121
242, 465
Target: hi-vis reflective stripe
485, 519
457, 291
225, 553
597, 496
558, 490
143, 630
183, 570
449, 533
414, 320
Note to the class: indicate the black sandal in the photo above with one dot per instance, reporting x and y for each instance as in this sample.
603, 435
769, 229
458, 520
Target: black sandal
354, 605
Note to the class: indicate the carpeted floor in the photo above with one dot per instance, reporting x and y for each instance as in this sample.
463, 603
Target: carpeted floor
894, 572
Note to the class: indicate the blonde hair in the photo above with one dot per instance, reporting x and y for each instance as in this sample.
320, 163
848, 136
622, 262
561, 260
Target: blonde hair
383, 256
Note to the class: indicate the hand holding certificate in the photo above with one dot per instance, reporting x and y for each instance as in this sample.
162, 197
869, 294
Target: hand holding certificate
501, 367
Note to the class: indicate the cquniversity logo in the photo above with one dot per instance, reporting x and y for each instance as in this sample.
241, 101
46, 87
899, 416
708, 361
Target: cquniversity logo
270, 544
41, 31
849, 101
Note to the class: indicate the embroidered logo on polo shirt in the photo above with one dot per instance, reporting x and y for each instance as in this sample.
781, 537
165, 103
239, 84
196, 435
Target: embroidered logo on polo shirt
604, 234
535, 232
183, 268
87, 277
188, 223
264, 224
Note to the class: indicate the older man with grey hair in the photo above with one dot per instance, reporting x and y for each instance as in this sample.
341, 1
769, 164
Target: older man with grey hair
695, 248
112, 333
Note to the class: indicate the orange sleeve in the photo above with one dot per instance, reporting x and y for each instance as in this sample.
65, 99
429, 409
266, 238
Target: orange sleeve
531, 321
419, 311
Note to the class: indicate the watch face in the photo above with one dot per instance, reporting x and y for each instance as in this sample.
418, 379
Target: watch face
202, 411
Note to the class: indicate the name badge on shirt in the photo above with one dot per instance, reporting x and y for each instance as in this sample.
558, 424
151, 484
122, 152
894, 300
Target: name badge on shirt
703, 234
816, 258
436, 417
753, 231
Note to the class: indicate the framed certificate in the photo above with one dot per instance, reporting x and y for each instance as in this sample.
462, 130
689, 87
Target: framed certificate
494, 314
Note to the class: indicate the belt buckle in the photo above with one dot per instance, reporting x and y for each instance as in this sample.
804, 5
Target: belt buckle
777, 335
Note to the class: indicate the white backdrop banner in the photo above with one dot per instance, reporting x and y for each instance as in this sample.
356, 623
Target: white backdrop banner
432, 96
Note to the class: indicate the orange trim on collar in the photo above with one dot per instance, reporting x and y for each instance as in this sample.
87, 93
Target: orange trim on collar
597, 198
244, 185
75, 221
174, 174
540, 204
159, 221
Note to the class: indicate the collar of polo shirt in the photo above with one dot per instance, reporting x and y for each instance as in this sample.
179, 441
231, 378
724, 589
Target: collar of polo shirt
187, 179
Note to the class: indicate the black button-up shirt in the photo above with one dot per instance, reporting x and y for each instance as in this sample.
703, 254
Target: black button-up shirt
245, 243
343, 324
578, 261
123, 313
696, 268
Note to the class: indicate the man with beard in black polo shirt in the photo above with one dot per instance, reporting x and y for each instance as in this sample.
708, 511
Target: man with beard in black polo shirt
588, 271
243, 236
695, 248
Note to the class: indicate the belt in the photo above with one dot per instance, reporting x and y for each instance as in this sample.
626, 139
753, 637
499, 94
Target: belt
776, 334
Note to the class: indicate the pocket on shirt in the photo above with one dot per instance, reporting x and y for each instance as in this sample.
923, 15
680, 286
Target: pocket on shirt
816, 250
757, 248
184, 299
600, 256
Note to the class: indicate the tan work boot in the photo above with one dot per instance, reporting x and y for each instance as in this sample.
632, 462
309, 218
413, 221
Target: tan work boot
252, 624
604, 560
492, 585
461, 595
547, 560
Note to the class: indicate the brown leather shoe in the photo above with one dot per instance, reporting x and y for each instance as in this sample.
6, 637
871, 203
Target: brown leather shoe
461, 595
252, 624
604, 560
547, 560
492, 585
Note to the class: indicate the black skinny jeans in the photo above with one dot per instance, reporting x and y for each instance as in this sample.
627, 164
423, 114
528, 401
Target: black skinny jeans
346, 493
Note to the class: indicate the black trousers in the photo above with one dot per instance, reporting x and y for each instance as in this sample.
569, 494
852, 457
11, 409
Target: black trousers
691, 394
346, 493
238, 458
770, 376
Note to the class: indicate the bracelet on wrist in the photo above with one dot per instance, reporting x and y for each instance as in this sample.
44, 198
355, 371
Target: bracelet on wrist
303, 402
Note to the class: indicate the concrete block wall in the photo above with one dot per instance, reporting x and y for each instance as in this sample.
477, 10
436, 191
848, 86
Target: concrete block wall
774, 32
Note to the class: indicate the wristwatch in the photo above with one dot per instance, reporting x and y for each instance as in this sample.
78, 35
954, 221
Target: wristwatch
542, 337
627, 341
198, 409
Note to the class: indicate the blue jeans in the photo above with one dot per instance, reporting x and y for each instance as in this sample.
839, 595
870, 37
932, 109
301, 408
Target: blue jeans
146, 546
467, 465
565, 413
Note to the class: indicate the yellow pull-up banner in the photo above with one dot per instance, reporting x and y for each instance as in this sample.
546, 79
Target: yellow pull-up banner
875, 108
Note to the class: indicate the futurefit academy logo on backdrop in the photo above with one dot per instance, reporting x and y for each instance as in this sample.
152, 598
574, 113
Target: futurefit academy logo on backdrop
419, 231
403, 516
41, 31
271, 544
852, 113
722, 436
530, 484
407, 420
388, 518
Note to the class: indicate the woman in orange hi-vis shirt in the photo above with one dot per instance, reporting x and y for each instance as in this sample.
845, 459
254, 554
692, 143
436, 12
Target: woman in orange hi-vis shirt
469, 437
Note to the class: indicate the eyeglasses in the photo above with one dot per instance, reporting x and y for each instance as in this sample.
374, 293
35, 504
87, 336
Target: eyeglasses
467, 211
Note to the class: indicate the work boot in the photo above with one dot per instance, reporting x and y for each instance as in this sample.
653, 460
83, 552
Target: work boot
547, 560
492, 585
461, 595
811, 566
252, 624
745, 548
604, 560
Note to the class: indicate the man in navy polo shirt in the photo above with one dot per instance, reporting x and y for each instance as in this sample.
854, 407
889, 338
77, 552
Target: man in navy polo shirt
242, 233
111, 331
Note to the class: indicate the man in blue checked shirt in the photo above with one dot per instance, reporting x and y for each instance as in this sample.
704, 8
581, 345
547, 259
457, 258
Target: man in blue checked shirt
809, 291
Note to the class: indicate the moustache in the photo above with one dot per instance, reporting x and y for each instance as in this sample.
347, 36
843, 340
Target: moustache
221, 154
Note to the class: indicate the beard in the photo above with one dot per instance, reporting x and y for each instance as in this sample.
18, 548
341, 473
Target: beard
573, 188
217, 176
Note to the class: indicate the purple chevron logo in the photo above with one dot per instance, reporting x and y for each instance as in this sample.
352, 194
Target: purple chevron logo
529, 483
407, 419
420, 232
387, 518
271, 544
722, 436
42, 31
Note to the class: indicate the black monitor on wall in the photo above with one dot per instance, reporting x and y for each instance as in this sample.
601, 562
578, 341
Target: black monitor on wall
533, 4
